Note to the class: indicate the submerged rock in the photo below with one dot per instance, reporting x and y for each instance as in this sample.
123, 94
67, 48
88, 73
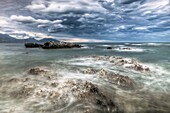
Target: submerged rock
89, 71
37, 71
14, 80
23, 91
123, 81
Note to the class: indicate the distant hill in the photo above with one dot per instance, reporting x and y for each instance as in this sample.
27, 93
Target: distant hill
4, 38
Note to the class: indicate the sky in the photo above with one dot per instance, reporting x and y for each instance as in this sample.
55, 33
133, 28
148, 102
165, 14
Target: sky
86, 20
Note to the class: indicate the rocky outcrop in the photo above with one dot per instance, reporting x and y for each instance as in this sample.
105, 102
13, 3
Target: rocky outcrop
41, 71
33, 45
57, 45
129, 63
52, 45
109, 47
123, 81
125, 48
90, 71
56, 94
37, 71
119, 80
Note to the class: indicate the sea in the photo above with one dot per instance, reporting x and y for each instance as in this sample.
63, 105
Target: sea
150, 95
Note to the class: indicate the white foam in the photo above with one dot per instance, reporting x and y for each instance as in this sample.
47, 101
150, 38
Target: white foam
85, 47
152, 44
129, 49
106, 45
137, 44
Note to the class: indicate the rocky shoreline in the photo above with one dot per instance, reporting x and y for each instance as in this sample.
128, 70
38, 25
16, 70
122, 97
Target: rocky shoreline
46, 90
52, 45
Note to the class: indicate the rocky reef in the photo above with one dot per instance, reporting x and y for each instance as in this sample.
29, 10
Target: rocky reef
93, 90
129, 63
117, 79
43, 95
52, 45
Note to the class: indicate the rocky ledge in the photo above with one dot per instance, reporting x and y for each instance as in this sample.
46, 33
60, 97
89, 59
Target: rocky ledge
52, 45
117, 79
129, 63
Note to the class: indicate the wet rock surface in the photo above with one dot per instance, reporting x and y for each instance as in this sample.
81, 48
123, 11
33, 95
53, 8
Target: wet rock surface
124, 62
59, 95
120, 80
90, 71
33, 45
52, 45
37, 71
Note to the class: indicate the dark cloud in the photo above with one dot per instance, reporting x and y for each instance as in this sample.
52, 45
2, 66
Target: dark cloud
93, 19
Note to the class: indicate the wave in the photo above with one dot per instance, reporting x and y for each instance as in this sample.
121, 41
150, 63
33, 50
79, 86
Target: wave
105, 45
129, 49
146, 44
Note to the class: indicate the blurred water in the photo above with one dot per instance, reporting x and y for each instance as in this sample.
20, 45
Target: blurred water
15, 60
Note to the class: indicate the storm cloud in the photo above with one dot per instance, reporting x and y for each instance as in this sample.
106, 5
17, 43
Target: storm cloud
112, 20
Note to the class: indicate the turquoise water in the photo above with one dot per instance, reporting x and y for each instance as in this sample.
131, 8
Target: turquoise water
15, 60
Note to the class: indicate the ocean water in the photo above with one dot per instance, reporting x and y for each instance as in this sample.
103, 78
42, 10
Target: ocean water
151, 95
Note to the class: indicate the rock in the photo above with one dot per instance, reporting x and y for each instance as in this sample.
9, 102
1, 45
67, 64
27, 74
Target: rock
33, 45
22, 92
124, 62
91, 93
126, 48
90, 71
109, 47
102, 72
141, 68
125, 81
58, 45
37, 71
147, 69
14, 80
53, 45
90, 87
122, 81
54, 95
54, 84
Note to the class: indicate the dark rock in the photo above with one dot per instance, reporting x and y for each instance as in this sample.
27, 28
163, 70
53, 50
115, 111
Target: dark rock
90, 71
126, 48
109, 47
33, 45
123, 81
37, 71
53, 45
59, 45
